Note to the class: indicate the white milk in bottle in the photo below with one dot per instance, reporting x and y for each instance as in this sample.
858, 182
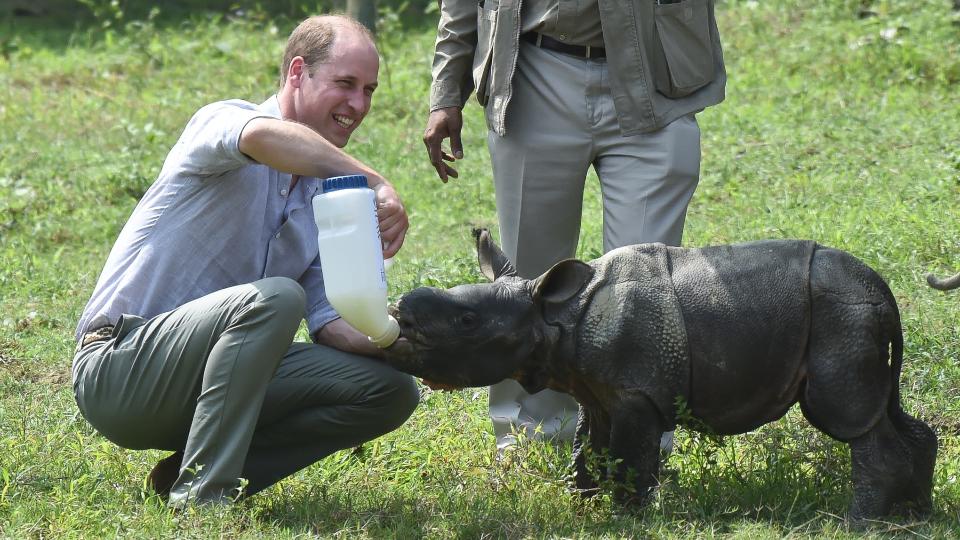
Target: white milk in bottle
351, 256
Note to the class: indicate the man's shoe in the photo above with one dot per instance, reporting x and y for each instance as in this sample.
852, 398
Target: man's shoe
165, 473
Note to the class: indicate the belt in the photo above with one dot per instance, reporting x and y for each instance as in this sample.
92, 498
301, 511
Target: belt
547, 42
99, 334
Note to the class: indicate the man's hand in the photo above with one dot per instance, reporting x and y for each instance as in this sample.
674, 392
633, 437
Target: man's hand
341, 336
443, 124
392, 217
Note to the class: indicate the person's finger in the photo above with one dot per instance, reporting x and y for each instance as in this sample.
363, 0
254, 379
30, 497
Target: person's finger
390, 219
433, 140
390, 233
390, 211
387, 204
441, 169
455, 145
394, 241
451, 172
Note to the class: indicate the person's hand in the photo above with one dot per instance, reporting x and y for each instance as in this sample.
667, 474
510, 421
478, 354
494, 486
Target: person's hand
392, 217
341, 336
443, 124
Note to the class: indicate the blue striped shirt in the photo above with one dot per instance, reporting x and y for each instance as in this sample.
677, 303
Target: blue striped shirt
213, 219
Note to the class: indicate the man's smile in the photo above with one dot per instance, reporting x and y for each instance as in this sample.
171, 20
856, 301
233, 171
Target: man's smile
344, 121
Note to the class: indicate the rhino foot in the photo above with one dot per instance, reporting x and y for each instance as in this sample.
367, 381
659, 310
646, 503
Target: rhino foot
892, 466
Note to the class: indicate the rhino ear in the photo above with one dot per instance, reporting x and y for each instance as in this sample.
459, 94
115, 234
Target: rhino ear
493, 263
562, 282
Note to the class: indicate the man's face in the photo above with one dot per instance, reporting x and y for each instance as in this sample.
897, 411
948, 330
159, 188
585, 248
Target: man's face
334, 97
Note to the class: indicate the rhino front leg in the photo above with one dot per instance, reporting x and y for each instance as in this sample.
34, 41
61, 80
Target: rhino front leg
635, 433
582, 480
593, 435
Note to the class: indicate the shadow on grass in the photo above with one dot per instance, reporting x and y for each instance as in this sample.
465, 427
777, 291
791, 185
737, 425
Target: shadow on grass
405, 517
399, 516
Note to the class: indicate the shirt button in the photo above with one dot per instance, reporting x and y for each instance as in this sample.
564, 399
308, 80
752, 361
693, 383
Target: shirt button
277, 236
563, 37
283, 192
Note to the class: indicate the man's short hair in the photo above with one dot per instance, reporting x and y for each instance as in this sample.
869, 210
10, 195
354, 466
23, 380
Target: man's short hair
313, 40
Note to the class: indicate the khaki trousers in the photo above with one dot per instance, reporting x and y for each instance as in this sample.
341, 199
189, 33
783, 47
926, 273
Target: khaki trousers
221, 379
561, 120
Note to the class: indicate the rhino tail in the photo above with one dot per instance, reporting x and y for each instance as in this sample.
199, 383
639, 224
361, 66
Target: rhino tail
896, 366
893, 327
944, 284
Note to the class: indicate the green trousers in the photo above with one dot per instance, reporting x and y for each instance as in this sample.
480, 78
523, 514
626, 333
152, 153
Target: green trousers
221, 379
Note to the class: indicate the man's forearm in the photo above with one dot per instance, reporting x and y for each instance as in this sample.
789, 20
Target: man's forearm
297, 149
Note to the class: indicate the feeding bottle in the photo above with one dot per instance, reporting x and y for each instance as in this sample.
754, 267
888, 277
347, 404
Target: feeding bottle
351, 255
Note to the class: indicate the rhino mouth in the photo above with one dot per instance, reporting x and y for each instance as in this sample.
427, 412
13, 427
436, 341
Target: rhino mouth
415, 339
410, 331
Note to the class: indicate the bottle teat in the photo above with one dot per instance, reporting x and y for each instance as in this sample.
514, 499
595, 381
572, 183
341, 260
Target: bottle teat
389, 336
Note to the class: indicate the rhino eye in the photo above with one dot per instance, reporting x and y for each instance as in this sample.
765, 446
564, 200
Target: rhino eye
468, 319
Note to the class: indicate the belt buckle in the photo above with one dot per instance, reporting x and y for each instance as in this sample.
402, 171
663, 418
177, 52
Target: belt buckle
100, 334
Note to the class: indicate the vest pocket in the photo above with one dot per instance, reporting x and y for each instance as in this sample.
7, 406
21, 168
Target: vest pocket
682, 55
486, 24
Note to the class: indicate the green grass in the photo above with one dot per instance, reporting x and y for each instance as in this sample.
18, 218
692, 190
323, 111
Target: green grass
839, 128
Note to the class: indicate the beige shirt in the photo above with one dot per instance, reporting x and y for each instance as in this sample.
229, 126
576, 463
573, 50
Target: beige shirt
570, 21
665, 60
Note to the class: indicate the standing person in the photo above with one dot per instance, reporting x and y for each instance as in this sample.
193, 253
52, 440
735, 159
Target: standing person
565, 85
187, 342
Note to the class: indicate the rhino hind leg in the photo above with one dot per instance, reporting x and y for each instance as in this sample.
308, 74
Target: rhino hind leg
883, 473
921, 442
847, 395
848, 382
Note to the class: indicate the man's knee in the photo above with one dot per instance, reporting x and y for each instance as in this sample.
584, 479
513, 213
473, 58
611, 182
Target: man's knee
399, 400
282, 294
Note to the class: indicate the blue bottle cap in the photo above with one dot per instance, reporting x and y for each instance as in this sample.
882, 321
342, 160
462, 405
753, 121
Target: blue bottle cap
344, 182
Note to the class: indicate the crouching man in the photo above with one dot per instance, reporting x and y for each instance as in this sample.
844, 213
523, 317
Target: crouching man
187, 342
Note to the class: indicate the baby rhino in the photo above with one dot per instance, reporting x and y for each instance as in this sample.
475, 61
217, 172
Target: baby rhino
738, 333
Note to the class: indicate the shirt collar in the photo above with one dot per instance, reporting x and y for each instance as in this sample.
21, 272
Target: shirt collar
271, 106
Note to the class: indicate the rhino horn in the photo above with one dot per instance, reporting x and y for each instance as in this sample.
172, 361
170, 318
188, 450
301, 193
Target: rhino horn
563, 281
493, 263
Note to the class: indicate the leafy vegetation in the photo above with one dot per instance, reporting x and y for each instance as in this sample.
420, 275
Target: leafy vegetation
840, 125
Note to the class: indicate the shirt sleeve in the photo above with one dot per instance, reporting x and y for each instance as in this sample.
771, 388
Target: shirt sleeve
319, 310
210, 144
453, 55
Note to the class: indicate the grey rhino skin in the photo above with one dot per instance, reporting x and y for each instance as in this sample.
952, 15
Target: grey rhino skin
739, 333
944, 284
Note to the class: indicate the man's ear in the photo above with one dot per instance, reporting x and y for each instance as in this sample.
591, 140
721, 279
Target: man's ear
562, 282
493, 263
296, 71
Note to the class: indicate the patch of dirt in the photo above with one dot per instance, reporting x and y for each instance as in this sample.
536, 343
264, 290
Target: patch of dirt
28, 370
